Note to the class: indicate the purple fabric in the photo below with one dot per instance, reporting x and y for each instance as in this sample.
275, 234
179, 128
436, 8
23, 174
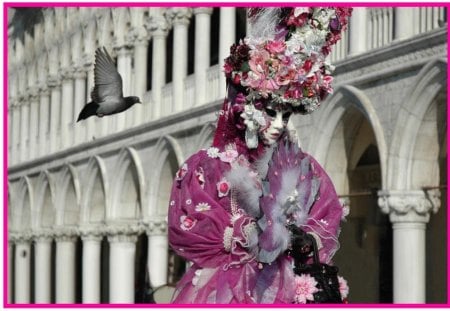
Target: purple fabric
206, 230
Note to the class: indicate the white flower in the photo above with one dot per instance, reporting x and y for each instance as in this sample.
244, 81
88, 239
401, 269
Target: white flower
203, 206
253, 117
213, 152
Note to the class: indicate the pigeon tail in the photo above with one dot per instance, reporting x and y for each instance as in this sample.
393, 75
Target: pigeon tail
90, 109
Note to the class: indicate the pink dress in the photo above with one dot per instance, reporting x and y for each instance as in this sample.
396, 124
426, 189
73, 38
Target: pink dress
228, 213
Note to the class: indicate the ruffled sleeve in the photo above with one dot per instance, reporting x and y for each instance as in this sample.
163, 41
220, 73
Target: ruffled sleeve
202, 228
325, 215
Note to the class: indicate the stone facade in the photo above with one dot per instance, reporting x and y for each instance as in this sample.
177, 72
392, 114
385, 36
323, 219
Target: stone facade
78, 191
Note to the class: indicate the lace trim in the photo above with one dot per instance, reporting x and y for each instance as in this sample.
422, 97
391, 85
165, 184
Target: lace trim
227, 238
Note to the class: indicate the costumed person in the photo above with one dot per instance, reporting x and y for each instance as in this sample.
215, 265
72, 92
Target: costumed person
248, 209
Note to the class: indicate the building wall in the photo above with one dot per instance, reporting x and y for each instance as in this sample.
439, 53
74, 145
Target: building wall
78, 191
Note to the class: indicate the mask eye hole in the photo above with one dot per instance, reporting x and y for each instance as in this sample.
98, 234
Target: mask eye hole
286, 116
270, 112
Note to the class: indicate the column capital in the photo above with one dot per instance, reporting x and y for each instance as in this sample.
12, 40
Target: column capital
203, 10
409, 205
156, 227
138, 36
20, 237
53, 81
66, 235
179, 16
123, 50
123, 232
43, 235
33, 93
66, 73
43, 89
92, 234
158, 26
79, 72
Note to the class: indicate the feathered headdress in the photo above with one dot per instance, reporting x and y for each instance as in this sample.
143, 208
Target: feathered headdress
283, 58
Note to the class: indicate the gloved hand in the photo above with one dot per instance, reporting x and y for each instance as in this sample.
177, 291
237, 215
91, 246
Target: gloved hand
301, 245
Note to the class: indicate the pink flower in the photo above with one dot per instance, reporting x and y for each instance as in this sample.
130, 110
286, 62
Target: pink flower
305, 287
276, 47
258, 61
223, 188
187, 222
228, 155
227, 68
181, 172
343, 287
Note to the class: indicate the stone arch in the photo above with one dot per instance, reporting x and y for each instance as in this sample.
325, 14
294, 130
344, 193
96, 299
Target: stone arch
167, 149
67, 196
95, 180
22, 211
430, 81
44, 202
344, 98
206, 135
11, 203
129, 163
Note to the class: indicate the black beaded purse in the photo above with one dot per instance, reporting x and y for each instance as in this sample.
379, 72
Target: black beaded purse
325, 275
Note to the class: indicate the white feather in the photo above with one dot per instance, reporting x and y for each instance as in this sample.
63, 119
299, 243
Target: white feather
264, 23
247, 191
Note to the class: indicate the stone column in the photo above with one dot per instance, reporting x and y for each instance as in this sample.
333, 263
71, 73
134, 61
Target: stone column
24, 128
121, 267
403, 23
358, 31
10, 275
180, 19
67, 108
65, 268
89, 122
42, 263
15, 132
227, 37
33, 123
409, 212
124, 54
55, 105
159, 29
139, 39
158, 253
79, 75
91, 268
44, 119
202, 48
22, 271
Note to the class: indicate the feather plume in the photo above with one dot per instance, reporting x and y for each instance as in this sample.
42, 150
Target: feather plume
263, 23
248, 192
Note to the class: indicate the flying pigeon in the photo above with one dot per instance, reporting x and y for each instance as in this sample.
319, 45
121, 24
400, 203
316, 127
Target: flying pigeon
106, 96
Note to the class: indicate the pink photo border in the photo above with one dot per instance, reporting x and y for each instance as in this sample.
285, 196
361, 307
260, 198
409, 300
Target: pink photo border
7, 5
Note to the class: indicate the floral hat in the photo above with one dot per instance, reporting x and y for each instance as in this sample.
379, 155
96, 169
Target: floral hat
284, 57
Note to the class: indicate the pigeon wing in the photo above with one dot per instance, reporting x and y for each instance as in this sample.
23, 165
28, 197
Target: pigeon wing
108, 82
